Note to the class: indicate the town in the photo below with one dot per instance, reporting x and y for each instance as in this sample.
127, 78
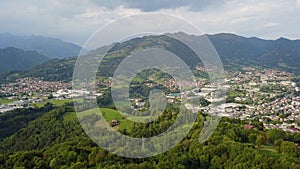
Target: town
267, 95
26, 92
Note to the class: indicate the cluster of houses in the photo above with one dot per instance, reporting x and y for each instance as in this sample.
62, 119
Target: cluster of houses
30, 85
20, 104
71, 94
276, 108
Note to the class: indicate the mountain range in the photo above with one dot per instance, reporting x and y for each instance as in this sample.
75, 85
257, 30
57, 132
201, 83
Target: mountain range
50, 47
234, 51
18, 59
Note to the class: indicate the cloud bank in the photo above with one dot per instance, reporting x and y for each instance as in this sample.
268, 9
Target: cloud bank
75, 21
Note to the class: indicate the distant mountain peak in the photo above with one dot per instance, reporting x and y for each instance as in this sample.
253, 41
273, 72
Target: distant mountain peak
50, 47
17, 59
283, 39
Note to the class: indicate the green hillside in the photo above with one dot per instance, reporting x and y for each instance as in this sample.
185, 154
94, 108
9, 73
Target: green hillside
17, 59
56, 140
234, 51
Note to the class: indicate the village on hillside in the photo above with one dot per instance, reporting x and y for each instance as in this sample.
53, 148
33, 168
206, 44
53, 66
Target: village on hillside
267, 95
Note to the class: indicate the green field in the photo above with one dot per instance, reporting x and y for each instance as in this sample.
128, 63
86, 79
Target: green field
108, 114
269, 151
54, 102
70, 116
5, 101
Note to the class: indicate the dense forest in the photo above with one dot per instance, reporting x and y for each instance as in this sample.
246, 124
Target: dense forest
54, 138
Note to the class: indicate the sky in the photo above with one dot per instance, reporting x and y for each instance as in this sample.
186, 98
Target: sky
75, 21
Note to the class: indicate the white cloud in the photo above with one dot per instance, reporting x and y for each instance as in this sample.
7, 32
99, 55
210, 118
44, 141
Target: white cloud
67, 20
76, 20
298, 3
270, 25
267, 19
